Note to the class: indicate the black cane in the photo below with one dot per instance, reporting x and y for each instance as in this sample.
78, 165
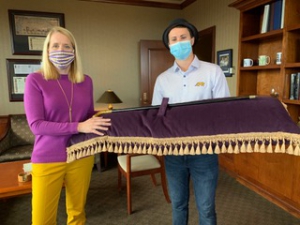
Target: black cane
206, 101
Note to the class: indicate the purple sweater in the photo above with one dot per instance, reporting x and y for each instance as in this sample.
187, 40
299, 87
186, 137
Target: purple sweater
47, 114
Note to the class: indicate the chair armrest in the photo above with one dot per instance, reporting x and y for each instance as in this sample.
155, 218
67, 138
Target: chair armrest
4, 133
4, 126
5, 142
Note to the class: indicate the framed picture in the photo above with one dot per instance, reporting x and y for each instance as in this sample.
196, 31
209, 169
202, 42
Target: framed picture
17, 71
29, 29
224, 60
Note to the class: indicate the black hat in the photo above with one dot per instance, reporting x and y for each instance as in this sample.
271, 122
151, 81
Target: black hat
179, 23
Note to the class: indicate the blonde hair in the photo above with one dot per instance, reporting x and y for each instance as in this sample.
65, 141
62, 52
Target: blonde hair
48, 69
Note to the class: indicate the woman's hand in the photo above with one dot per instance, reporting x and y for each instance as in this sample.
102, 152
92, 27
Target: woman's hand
93, 125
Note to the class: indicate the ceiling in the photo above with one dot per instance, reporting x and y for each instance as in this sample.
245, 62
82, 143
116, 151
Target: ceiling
171, 4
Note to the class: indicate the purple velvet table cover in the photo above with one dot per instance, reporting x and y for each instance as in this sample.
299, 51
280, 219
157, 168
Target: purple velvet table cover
261, 125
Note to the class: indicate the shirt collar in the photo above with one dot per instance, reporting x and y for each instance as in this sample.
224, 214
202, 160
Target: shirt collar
194, 65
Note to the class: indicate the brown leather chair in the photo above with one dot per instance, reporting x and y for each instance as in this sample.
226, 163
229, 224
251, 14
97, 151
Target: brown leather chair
139, 165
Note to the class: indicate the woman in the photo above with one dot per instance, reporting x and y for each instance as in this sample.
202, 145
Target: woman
58, 103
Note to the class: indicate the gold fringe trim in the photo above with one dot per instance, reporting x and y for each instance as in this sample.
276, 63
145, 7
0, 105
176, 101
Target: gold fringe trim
277, 142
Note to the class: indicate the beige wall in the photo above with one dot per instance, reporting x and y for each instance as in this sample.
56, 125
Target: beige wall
207, 13
108, 36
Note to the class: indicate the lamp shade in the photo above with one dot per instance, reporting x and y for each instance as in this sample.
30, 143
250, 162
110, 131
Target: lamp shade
109, 97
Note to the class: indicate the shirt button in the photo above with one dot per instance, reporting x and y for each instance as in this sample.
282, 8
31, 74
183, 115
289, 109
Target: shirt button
184, 85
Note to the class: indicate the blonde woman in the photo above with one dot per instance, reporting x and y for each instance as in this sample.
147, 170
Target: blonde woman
58, 102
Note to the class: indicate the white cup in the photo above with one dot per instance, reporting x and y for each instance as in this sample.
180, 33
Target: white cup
264, 60
247, 62
278, 58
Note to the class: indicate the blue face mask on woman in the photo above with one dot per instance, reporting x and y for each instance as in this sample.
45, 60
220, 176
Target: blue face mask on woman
181, 50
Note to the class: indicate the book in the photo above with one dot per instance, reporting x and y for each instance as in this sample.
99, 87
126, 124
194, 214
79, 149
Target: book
297, 97
282, 14
272, 15
297, 86
265, 22
292, 86
276, 12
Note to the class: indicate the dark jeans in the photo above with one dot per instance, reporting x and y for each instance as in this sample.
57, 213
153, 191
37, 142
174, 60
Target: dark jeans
203, 170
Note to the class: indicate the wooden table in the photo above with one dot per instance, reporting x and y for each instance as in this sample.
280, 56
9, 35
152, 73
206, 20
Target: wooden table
9, 185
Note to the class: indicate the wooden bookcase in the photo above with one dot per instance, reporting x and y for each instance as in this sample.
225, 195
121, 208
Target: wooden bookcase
274, 176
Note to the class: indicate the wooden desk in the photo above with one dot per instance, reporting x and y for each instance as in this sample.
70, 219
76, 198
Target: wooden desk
9, 185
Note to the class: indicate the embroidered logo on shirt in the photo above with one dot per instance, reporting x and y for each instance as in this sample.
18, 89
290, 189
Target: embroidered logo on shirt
199, 84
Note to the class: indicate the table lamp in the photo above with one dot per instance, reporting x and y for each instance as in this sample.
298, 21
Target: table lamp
109, 97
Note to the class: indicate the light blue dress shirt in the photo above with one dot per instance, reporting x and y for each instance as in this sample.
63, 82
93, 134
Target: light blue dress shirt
202, 80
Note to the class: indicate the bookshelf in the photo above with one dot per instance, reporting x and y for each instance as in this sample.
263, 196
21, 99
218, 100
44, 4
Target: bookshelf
261, 80
274, 176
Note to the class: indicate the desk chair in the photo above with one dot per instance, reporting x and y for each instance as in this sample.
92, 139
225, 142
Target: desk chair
139, 165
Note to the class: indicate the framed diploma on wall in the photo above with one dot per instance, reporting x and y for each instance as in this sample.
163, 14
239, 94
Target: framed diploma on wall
17, 71
29, 29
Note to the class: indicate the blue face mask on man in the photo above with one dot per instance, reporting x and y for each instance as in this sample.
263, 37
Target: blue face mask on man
181, 50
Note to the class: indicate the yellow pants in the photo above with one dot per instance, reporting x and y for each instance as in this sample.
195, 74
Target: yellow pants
47, 183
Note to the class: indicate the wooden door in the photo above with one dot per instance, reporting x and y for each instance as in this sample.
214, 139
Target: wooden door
155, 59
205, 47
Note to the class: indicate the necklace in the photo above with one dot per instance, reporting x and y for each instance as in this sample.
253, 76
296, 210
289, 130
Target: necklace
70, 103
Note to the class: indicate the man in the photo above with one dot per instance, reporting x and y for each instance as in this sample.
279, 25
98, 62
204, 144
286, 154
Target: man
190, 79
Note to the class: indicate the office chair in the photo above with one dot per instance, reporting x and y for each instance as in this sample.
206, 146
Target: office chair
139, 165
